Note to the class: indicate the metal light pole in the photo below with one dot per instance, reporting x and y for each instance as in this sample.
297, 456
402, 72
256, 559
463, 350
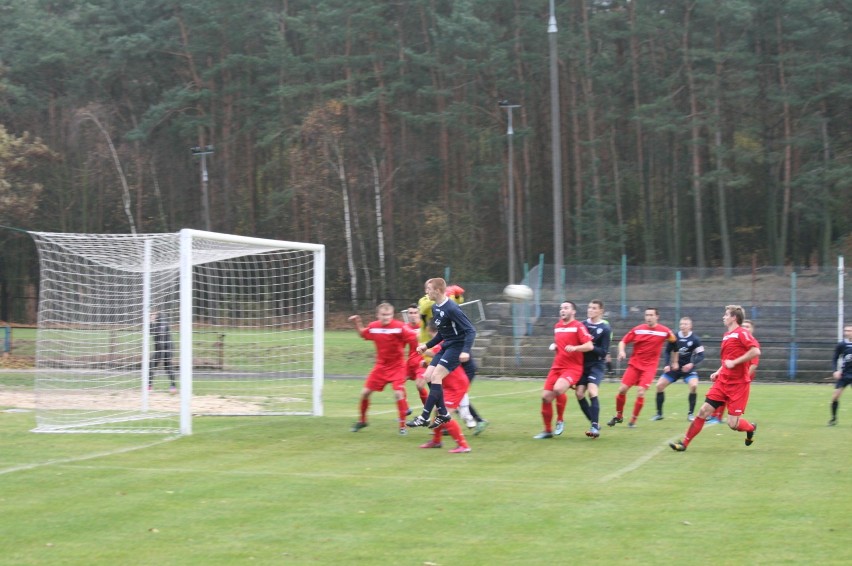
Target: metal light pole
203, 152
556, 149
510, 133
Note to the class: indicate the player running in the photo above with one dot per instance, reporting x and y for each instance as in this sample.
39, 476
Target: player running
731, 382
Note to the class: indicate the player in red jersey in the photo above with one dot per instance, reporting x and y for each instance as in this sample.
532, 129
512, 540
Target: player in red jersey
731, 382
570, 339
719, 413
390, 337
414, 365
648, 340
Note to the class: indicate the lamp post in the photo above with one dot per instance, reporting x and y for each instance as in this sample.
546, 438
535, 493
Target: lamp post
556, 149
510, 133
203, 152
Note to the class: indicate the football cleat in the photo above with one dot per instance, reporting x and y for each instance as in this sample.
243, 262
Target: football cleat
358, 426
440, 419
172, 390
408, 411
657, 417
560, 428
418, 421
614, 421
543, 435
749, 440
713, 420
460, 450
632, 423
678, 446
431, 444
593, 432
690, 417
480, 426
403, 432
832, 422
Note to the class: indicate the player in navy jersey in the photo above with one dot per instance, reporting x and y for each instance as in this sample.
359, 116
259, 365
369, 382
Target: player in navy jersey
161, 336
690, 353
456, 335
594, 366
843, 374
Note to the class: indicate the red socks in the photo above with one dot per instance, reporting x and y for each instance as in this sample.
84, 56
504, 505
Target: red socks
455, 432
402, 407
637, 408
693, 430
744, 426
365, 403
547, 415
561, 401
620, 401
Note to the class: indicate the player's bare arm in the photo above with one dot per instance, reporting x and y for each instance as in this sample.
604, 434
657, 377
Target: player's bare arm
356, 321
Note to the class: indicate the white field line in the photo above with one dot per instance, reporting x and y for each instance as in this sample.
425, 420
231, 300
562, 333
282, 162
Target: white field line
35, 465
638, 463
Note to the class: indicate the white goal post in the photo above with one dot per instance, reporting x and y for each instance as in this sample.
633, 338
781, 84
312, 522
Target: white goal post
139, 332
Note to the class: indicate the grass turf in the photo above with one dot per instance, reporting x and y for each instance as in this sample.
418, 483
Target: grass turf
299, 490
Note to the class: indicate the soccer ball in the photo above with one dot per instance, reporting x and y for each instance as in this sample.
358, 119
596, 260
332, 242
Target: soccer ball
518, 293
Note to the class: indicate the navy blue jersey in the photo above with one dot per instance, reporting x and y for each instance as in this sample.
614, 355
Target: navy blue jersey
601, 337
843, 352
161, 334
689, 349
454, 328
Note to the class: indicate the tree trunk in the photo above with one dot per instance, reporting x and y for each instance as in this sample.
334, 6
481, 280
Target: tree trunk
589, 99
787, 165
721, 172
380, 235
695, 141
644, 191
386, 170
339, 167
616, 186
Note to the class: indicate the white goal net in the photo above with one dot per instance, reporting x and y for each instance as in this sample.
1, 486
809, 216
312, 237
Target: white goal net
137, 333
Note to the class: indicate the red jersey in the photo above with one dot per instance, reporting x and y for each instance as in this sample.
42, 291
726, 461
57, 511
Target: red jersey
735, 343
414, 358
647, 344
390, 342
573, 333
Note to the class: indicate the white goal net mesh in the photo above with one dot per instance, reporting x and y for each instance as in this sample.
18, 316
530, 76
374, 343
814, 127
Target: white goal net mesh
138, 332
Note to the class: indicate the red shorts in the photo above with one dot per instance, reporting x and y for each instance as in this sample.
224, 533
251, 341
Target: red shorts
734, 395
382, 376
555, 374
638, 376
455, 386
414, 370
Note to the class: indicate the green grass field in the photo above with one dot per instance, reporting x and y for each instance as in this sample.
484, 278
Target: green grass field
301, 490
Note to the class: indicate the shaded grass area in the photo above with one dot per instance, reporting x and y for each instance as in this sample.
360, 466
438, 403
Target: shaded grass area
298, 490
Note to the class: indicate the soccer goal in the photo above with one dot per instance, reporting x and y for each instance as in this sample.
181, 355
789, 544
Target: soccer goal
139, 332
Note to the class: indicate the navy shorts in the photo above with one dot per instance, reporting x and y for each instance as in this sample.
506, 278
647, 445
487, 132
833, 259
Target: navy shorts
593, 373
843, 381
674, 375
449, 357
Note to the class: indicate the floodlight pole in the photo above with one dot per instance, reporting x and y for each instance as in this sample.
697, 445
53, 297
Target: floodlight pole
510, 133
203, 152
556, 152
